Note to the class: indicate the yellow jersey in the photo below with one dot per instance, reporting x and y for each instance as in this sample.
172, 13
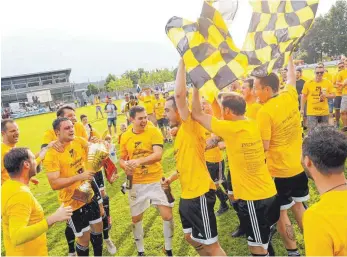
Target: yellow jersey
328, 76
280, 122
341, 77
252, 110
159, 106
325, 225
312, 90
4, 150
135, 146
215, 154
148, 103
80, 131
69, 163
189, 151
23, 221
251, 178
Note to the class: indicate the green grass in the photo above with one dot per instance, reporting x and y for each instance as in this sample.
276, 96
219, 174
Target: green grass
31, 133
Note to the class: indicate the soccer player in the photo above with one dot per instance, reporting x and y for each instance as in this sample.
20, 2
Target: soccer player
325, 222
141, 150
159, 105
281, 132
65, 173
24, 226
317, 92
111, 110
148, 102
97, 103
338, 97
132, 102
198, 196
341, 82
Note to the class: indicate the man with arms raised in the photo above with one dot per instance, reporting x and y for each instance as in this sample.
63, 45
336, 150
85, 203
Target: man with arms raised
325, 223
141, 150
280, 127
198, 190
66, 172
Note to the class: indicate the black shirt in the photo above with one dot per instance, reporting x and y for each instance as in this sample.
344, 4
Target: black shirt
299, 85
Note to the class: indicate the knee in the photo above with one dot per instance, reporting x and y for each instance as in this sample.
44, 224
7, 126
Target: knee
103, 194
211, 249
136, 219
167, 216
188, 238
84, 239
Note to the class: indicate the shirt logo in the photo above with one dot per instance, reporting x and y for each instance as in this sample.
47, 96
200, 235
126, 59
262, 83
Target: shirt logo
72, 153
137, 144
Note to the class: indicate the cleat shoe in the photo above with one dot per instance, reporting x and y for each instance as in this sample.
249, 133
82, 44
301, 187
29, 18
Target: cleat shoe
111, 248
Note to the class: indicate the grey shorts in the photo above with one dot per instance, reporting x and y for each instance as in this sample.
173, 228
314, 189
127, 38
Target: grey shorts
343, 107
313, 121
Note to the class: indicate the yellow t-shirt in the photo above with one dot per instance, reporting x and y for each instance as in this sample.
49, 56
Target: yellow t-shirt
341, 77
80, 131
69, 163
252, 110
23, 221
251, 178
312, 90
325, 225
135, 146
280, 123
148, 103
4, 150
159, 106
215, 154
189, 150
328, 76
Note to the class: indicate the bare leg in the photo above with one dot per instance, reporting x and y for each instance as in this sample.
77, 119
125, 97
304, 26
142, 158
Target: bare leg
257, 250
298, 210
286, 230
337, 117
205, 250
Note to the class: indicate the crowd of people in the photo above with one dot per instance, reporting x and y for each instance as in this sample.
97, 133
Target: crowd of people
257, 121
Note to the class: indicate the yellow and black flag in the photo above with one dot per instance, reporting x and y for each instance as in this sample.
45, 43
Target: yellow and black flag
212, 59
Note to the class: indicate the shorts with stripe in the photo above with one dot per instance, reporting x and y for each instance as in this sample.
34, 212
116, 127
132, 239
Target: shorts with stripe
99, 179
83, 217
229, 185
198, 218
258, 217
97, 195
216, 170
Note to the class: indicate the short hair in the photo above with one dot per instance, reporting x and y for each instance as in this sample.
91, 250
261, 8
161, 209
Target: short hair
132, 97
56, 123
270, 80
319, 67
172, 98
83, 116
235, 103
13, 160
320, 64
135, 109
4, 124
299, 70
250, 82
61, 111
327, 148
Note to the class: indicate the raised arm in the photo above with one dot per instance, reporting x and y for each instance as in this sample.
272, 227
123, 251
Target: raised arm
197, 113
181, 91
291, 78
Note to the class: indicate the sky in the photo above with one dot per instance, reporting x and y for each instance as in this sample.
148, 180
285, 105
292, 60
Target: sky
95, 38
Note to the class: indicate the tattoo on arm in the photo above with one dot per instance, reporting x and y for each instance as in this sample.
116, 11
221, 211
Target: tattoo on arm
290, 232
213, 142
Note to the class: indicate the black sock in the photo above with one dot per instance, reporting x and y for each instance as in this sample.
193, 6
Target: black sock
221, 196
82, 250
96, 239
254, 254
293, 252
271, 250
70, 238
168, 252
106, 204
105, 226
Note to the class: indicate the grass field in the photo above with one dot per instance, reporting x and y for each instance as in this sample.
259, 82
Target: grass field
31, 133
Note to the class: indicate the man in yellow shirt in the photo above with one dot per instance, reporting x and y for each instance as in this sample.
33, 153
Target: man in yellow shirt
341, 82
198, 190
97, 103
251, 180
252, 106
325, 222
148, 102
317, 92
338, 92
131, 103
66, 172
141, 150
159, 105
280, 127
24, 225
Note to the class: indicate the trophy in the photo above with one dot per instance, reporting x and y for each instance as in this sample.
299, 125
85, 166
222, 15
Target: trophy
97, 153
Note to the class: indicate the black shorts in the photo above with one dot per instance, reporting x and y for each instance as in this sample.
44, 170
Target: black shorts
229, 185
198, 218
337, 102
216, 170
258, 217
291, 190
97, 195
99, 179
83, 217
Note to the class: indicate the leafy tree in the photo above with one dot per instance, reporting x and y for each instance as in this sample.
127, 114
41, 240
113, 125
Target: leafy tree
92, 90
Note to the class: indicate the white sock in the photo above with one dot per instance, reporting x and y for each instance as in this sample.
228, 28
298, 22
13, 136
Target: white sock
138, 236
168, 228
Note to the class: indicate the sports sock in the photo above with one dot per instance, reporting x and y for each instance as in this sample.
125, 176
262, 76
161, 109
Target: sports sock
82, 250
168, 228
106, 204
293, 252
221, 196
70, 238
105, 226
138, 236
96, 239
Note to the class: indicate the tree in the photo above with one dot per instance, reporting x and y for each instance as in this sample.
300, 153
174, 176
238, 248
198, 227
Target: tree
92, 90
109, 78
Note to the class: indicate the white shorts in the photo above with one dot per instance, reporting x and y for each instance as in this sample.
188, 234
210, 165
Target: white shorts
343, 107
141, 196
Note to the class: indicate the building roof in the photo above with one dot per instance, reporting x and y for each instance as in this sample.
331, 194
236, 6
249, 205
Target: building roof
68, 71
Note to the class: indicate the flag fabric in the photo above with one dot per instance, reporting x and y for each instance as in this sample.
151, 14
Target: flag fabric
212, 59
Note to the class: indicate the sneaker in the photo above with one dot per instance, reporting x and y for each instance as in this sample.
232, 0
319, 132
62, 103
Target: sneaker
222, 209
167, 252
111, 248
72, 254
141, 254
238, 232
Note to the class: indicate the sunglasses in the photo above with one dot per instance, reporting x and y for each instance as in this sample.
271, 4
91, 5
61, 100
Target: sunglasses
320, 72
341, 67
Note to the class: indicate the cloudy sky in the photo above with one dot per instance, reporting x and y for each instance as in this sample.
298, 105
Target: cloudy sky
94, 38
